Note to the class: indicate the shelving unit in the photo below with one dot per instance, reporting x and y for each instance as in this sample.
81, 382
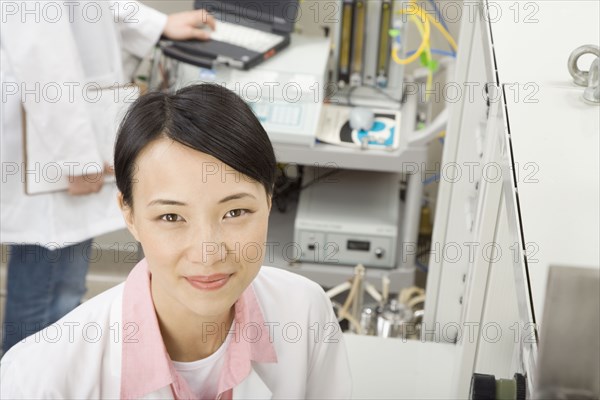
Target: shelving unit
405, 160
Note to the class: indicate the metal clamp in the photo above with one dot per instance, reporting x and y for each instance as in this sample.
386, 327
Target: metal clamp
586, 78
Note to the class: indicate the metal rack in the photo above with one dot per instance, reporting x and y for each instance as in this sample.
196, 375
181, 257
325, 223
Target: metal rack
406, 160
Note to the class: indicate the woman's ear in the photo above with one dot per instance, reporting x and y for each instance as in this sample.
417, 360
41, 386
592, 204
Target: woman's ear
127, 212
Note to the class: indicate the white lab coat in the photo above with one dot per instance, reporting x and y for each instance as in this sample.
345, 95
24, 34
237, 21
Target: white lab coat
87, 43
79, 357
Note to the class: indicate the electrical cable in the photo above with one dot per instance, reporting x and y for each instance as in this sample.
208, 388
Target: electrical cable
431, 179
290, 187
424, 38
427, 51
427, 21
408, 293
439, 15
435, 51
422, 267
424, 252
415, 300
326, 175
285, 188
446, 35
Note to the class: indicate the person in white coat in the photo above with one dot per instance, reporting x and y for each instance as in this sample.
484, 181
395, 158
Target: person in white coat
50, 53
198, 317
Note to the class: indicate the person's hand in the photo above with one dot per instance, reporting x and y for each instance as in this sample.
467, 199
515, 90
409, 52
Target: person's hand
86, 184
189, 25
108, 169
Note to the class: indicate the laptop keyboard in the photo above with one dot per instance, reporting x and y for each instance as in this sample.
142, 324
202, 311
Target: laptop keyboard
242, 36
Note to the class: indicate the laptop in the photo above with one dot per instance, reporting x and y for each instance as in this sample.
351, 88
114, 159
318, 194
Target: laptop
246, 33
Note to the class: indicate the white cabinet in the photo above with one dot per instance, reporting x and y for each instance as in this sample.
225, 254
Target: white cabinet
543, 139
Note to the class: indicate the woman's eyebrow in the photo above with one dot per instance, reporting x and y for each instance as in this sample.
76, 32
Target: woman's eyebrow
235, 197
164, 202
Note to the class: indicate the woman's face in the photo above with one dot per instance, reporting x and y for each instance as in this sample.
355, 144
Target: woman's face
202, 226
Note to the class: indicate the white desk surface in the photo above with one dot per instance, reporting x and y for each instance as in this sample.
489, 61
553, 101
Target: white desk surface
533, 39
560, 212
397, 369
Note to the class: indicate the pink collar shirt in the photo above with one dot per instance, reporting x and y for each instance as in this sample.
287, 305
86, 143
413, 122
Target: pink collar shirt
146, 366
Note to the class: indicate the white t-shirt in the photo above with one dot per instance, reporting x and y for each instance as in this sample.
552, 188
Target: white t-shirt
202, 376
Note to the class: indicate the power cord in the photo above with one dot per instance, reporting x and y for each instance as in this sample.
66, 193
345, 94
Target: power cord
287, 189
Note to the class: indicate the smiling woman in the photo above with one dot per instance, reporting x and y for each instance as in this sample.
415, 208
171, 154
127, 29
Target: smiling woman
199, 317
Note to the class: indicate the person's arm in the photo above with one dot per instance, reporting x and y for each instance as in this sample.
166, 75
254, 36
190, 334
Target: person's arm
141, 26
44, 58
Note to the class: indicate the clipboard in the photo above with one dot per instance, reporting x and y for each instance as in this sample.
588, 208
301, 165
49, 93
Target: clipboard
44, 175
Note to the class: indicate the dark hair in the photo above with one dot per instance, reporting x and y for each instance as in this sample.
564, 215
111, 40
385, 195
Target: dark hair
208, 118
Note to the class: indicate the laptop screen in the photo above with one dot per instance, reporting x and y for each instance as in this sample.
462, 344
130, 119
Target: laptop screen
280, 14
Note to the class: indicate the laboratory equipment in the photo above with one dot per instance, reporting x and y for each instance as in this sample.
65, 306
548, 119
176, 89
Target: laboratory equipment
335, 127
394, 317
362, 47
361, 118
394, 320
286, 92
246, 33
398, 317
349, 217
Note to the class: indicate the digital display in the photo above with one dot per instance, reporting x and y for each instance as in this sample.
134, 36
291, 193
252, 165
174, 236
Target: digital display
358, 245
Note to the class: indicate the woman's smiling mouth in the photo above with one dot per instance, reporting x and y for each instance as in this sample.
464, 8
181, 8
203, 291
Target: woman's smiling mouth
209, 282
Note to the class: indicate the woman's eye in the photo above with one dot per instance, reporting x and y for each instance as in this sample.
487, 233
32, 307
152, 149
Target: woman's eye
238, 212
170, 217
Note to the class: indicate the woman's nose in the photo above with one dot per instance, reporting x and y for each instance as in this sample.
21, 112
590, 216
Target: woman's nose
205, 246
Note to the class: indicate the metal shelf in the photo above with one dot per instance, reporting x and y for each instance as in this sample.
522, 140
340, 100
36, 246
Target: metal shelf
406, 159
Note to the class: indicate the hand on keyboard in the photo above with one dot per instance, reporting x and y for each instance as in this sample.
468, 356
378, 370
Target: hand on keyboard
243, 36
188, 25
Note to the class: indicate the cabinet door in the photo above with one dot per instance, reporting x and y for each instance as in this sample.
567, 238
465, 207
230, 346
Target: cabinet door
461, 169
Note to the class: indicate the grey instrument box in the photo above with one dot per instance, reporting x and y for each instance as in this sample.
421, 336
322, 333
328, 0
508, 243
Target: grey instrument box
348, 217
